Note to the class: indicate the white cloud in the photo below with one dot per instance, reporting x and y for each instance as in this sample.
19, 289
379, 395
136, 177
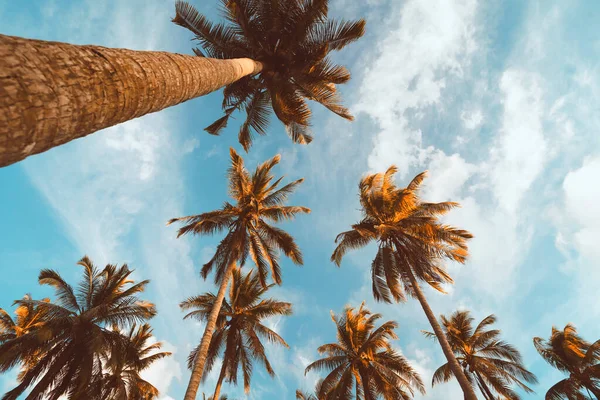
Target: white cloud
578, 223
447, 176
520, 151
472, 119
431, 43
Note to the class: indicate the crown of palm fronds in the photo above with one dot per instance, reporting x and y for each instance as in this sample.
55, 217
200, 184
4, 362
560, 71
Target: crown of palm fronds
292, 40
363, 358
409, 235
240, 326
571, 354
124, 363
258, 201
486, 359
75, 333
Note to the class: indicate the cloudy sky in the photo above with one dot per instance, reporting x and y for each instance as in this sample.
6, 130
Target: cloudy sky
499, 100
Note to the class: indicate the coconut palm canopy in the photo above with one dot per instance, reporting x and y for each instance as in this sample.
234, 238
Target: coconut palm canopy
292, 40
492, 365
75, 333
409, 234
364, 361
258, 202
241, 328
579, 359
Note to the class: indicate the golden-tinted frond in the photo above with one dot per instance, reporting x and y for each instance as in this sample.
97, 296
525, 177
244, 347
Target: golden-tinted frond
240, 328
70, 345
364, 359
571, 354
489, 363
411, 239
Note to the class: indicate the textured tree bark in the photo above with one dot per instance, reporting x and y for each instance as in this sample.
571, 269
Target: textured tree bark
454, 366
211, 323
52, 93
219, 382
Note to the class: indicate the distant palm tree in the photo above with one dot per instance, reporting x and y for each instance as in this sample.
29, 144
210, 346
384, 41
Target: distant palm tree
124, 363
258, 201
29, 317
239, 328
269, 54
363, 359
412, 245
76, 331
571, 354
487, 361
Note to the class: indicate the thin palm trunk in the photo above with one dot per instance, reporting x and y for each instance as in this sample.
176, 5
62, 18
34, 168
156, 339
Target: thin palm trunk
198, 369
454, 366
487, 393
220, 381
52, 93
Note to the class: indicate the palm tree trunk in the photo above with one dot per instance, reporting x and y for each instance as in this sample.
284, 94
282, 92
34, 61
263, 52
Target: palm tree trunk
484, 387
454, 366
211, 323
220, 382
52, 93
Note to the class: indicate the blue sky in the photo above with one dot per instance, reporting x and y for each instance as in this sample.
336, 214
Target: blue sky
499, 100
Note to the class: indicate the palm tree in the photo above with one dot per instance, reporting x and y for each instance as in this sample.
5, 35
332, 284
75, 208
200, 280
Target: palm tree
270, 53
364, 356
75, 333
258, 201
571, 354
29, 318
239, 328
412, 245
487, 361
125, 362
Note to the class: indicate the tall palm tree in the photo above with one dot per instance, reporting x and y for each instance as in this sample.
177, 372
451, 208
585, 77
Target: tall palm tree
258, 201
364, 358
239, 328
276, 51
412, 245
487, 361
29, 318
76, 332
124, 363
571, 354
